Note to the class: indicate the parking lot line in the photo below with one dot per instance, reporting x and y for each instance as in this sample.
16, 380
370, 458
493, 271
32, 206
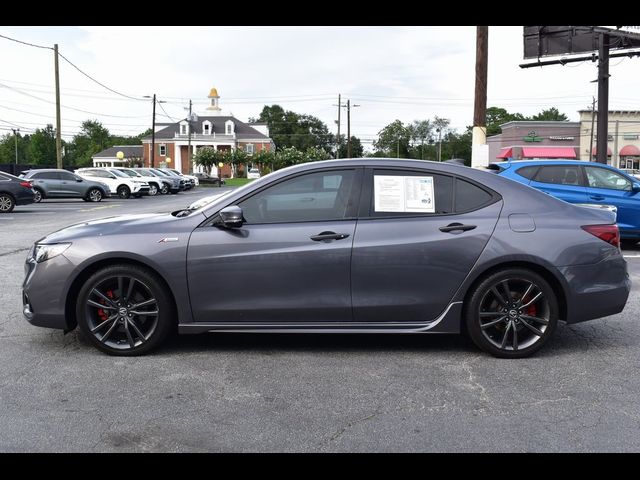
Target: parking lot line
100, 208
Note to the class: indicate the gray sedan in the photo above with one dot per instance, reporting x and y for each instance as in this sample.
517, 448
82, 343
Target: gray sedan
346, 246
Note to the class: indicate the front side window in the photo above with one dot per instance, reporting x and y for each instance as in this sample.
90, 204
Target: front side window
69, 177
605, 178
320, 196
559, 175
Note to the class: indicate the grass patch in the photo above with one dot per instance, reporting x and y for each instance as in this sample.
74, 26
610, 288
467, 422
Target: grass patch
237, 182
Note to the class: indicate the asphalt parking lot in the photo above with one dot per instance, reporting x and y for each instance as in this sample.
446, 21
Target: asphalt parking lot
304, 393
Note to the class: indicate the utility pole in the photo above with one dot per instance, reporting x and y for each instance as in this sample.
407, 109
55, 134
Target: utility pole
153, 134
339, 142
603, 98
440, 144
15, 136
479, 147
349, 127
58, 121
189, 132
593, 117
615, 159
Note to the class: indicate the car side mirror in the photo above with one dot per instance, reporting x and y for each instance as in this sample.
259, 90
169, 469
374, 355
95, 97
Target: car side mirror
231, 217
78, 179
635, 188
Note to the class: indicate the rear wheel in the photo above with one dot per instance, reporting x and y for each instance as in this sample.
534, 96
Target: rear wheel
6, 203
629, 243
38, 196
124, 192
512, 313
122, 310
94, 195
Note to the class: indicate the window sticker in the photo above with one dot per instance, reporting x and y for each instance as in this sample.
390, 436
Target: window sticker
403, 194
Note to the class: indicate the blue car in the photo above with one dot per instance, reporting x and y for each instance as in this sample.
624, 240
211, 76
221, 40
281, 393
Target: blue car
582, 182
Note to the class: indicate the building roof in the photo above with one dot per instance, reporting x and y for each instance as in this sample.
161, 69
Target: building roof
213, 93
242, 130
128, 150
540, 123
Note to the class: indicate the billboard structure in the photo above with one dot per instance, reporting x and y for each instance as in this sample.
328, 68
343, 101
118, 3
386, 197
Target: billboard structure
549, 41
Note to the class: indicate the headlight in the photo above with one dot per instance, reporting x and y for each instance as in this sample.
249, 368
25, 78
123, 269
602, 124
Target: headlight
42, 252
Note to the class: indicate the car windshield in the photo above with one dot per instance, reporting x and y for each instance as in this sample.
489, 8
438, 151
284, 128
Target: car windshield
118, 173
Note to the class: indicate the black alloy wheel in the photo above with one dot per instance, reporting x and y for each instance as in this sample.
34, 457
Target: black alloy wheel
512, 313
122, 310
124, 192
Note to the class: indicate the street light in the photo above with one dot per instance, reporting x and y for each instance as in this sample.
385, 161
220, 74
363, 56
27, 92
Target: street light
153, 129
439, 145
168, 160
220, 165
15, 136
120, 155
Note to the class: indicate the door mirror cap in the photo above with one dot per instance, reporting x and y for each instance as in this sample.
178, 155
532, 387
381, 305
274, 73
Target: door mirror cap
635, 187
231, 217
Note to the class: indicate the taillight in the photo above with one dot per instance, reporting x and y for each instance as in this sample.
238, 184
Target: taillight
26, 184
607, 233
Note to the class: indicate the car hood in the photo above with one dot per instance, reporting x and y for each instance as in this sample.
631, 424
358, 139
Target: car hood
110, 226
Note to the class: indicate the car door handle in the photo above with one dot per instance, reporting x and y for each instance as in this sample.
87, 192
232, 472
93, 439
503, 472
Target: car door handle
596, 197
328, 236
453, 227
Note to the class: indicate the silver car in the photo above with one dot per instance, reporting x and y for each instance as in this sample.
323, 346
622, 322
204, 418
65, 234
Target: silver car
346, 246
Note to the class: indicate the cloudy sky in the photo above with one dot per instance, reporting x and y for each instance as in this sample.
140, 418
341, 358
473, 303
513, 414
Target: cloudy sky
404, 73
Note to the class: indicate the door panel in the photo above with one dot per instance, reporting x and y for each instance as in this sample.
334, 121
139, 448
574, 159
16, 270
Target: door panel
271, 272
407, 269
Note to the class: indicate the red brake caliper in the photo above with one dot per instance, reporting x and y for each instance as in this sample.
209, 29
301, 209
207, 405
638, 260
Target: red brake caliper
101, 313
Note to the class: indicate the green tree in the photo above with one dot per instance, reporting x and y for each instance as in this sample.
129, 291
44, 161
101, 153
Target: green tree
551, 114
357, 150
208, 157
291, 129
93, 138
420, 135
393, 140
8, 148
42, 147
265, 159
497, 116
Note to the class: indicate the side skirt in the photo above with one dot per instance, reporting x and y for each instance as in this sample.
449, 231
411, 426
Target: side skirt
447, 322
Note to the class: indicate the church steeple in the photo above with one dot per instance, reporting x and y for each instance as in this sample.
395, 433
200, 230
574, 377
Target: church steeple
214, 107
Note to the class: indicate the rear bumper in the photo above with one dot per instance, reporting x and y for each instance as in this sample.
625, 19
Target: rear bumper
25, 198
597, 290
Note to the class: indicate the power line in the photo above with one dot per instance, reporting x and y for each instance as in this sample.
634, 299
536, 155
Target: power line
165, 112
11, 123
25, 43
96, 81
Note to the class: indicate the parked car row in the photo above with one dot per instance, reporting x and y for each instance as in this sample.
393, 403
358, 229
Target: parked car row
14, 191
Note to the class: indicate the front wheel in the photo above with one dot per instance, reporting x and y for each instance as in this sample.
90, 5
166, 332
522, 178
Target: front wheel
94, 195
123, 310
6, 203
512, 313
124, 192
165, 189
153, 189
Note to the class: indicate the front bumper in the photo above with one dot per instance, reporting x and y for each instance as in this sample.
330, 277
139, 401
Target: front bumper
44, 292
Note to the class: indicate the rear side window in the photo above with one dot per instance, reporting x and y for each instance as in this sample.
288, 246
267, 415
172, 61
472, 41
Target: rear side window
559, 175
409, 193
46, 176
470, 197
527, 172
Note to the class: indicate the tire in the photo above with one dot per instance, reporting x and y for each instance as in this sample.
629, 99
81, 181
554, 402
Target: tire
94, 195
38, 196
108, 317
165, 189
513, 327
153, 189
7, 203
124, 192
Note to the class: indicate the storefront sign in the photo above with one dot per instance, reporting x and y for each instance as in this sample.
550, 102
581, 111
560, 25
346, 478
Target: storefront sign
532, 137
561, 138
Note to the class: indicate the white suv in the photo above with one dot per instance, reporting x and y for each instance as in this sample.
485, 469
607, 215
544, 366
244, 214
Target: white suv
253, 173
119, 183
155, 184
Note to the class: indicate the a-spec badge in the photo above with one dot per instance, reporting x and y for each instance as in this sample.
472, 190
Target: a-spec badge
168, 239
